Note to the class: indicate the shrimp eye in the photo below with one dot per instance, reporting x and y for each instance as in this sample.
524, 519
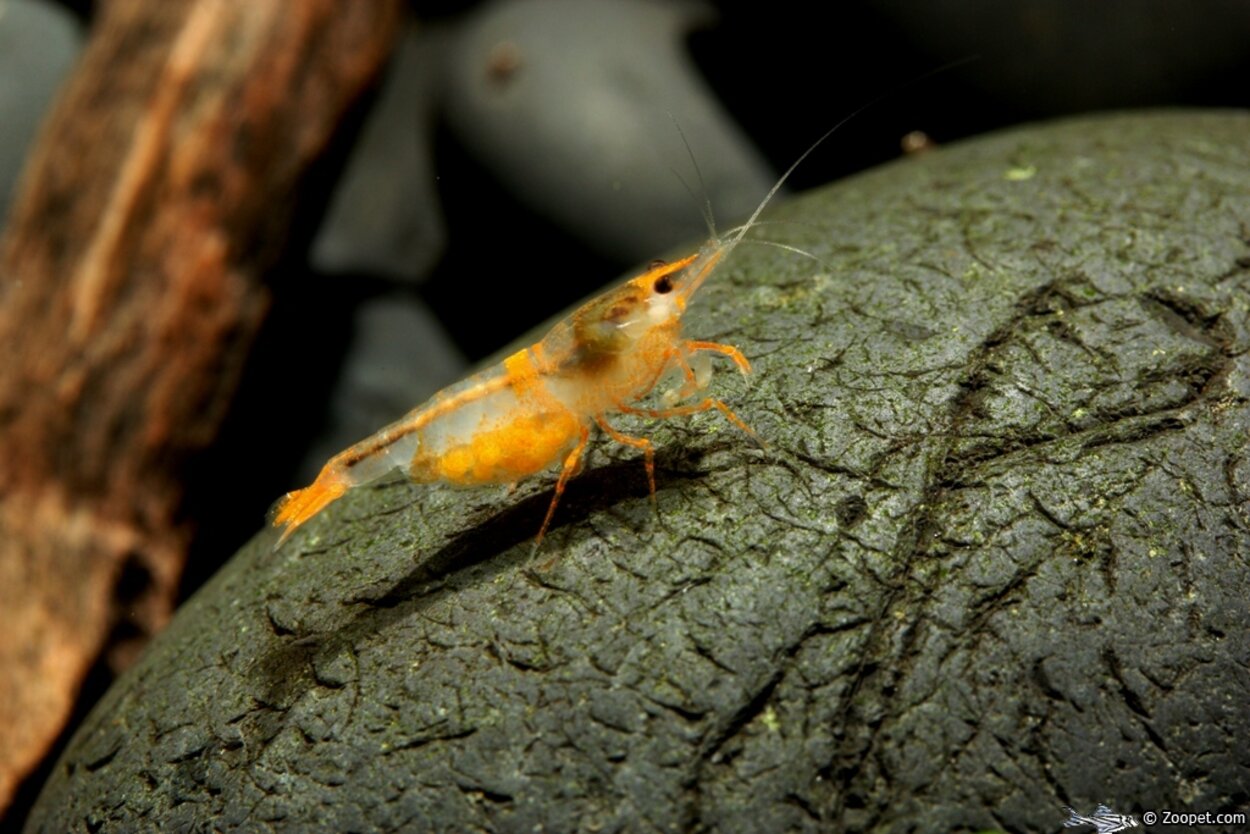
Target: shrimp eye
663, 285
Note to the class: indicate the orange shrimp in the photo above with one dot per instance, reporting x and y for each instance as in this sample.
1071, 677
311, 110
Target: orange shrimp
537, 407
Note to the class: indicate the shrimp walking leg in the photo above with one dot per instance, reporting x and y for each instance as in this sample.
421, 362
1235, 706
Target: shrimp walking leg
694, 408
570, 468
648, 451
696, 381
728, 350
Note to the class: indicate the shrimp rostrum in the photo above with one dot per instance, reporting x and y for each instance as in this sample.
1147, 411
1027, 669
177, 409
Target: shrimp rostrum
536, 408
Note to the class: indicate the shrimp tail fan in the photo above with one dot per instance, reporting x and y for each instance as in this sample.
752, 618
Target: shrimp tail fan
294, 508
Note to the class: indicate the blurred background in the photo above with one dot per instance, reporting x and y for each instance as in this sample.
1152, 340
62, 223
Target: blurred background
520, 154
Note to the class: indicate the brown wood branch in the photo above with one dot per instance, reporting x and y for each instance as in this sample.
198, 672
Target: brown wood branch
159, 191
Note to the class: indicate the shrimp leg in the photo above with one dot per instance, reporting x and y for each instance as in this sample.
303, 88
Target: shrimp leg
695, 408
690, 346
648, 451
693, 383
728, 350
570, 468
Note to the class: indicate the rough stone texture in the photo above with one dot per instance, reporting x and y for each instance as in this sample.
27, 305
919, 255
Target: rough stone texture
994, 559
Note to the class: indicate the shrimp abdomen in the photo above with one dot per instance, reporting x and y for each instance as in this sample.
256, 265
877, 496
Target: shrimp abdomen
518, 429
515, 448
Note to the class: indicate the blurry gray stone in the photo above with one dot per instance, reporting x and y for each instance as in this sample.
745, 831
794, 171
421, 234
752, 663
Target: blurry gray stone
574, 105
398, 357
38, 43
384, 217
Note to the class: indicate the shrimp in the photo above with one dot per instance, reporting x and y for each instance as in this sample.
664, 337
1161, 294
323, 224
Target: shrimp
536, 409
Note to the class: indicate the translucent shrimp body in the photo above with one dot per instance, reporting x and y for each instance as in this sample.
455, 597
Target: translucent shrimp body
536, 408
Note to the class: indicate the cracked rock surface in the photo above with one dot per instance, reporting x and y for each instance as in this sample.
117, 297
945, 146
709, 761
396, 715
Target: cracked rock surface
993, 561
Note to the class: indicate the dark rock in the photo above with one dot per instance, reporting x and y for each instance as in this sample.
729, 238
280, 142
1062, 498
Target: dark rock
994, 560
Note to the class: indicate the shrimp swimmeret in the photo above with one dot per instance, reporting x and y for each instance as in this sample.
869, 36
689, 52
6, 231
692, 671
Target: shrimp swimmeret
536, 408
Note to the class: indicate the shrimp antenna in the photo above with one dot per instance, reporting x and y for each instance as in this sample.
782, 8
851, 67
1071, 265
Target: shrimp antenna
806, 223
772, 192
694, 198
787, 247
708, 216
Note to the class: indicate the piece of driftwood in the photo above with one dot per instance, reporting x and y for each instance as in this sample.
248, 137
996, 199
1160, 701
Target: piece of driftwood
993, 562
161, 188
